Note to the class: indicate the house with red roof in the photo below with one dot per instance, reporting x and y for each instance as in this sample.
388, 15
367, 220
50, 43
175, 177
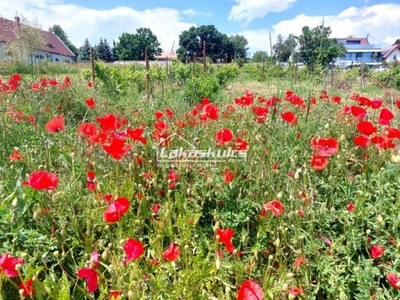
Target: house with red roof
52, 49
391, 53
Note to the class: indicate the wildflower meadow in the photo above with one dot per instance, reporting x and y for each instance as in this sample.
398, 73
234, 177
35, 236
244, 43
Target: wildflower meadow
214, 184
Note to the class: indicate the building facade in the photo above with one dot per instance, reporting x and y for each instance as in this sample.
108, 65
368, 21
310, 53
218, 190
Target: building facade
51, 48
360, 51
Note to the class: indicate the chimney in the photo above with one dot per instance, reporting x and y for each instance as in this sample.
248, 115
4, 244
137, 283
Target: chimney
17, 23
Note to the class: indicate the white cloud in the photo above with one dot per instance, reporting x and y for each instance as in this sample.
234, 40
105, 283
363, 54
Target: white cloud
191, 12
380, 22
248, 10
80, 22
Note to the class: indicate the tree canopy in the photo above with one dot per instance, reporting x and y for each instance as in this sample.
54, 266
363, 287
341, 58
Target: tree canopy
239, 43
397, 42
284, 48
132, 46
191, 43
58, 31
258, 56
103, 51
84, 51
316, 48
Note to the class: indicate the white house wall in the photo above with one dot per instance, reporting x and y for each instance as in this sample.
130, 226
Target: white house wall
395, 55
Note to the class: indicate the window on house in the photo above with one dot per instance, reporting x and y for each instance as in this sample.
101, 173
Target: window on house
359, 55
394, 57
50, 45
356, 42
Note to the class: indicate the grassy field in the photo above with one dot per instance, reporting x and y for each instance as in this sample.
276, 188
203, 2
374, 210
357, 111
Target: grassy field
286, 188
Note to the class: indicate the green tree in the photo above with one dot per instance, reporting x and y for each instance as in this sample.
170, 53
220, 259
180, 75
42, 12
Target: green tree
397, 42
316, 48
258, 56
191, 43
58, 31
132, 46
284, 48
103, 52
239, 43
84, 52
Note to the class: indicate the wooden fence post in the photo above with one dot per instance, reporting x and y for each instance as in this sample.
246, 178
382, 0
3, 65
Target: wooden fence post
146, 59
92, 64
204, 56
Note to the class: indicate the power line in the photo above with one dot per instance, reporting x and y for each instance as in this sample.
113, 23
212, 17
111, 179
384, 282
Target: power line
380, 42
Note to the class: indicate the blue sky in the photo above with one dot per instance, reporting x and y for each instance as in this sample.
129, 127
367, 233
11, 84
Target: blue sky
254, 19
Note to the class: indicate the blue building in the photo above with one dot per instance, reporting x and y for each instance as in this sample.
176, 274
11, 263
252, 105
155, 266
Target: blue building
360, 51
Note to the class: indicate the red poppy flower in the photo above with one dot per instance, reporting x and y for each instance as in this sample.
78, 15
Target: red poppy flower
210, 111
350, 207
323, 95
377, 251
8, 265
26, 288
250, 290
375, 104
137, 135
90, 185
67, 81
55, 124
173, 176
358, 112
391, 133
117, 148
87, 129
228, 176
364, 101
169, 113
225, 237
172, 253
274, 206
289, 117
318, 162
298, 262
41, 180
158, 114
336, 99
133, 249
15, 156
381, 142
366, 127
240, 144
108, 122
260, 111
362, 141
155, 208
91, 103
161, 125
114, 295
324, 146
386, 114
246, 100
116, 210
394, 280
224, 136
398, 104
296, 291
91, 277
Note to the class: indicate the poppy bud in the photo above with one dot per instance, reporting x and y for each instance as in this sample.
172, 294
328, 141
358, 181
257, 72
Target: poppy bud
217, 263
131, 294
379, 219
